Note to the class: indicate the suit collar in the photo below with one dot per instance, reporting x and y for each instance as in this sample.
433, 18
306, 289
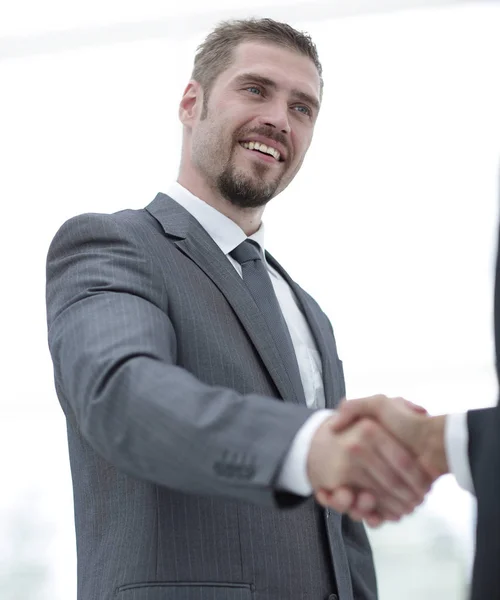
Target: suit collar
226, 233
175, 220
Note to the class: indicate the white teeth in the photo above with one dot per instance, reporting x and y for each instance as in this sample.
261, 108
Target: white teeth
262, 148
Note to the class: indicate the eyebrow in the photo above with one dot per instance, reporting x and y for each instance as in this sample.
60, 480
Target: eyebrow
266, 82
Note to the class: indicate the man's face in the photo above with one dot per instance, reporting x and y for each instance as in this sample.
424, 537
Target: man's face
250, 142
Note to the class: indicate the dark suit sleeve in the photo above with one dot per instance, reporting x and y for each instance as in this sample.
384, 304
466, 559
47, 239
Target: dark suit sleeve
484, 456
479, 448
114, 351
483, 424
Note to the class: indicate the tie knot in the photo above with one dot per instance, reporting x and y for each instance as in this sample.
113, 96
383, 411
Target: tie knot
246, 252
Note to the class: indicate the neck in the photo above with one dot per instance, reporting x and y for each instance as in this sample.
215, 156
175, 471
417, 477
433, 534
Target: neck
248, 219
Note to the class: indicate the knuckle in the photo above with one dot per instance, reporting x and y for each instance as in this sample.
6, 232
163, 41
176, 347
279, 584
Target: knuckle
404, 461
354, 448
368, 428
393, 481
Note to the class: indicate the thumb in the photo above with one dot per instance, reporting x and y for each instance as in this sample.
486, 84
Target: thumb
351, 410
415, 407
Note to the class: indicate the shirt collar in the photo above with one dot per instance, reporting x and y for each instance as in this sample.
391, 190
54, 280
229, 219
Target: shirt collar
225, 232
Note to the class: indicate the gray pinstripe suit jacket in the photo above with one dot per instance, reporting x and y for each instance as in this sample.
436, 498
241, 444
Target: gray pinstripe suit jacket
172, 391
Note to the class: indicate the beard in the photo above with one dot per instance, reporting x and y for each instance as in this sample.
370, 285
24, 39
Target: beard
246, 190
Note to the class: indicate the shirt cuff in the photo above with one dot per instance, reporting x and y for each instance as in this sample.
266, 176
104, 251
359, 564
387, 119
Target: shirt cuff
293, 476
457, 441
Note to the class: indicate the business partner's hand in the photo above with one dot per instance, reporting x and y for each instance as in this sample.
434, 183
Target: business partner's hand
366, 459
423, 435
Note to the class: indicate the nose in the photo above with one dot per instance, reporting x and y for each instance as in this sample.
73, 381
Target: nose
276, 116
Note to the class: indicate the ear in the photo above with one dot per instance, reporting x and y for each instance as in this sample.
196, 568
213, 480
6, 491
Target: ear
191, 103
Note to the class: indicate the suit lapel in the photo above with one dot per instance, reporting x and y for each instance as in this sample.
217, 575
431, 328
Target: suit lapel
322, 337
194, 242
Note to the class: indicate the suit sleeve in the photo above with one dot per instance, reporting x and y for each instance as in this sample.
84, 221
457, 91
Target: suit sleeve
482, 427
113, 347
484, 453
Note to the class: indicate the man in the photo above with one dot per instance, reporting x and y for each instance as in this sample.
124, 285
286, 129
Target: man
467, 445
198, 379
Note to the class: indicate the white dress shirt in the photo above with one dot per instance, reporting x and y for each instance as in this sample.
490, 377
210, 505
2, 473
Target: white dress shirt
456, 444
228, 235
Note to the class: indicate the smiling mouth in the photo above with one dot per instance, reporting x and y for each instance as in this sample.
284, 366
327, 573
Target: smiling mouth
263, 149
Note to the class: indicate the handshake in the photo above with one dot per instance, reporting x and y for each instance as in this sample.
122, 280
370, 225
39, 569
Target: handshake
383, 455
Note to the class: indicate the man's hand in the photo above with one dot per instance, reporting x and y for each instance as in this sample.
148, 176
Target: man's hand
421, 434
366, 460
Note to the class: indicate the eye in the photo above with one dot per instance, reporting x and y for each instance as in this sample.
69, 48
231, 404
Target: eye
304, 110
254, 90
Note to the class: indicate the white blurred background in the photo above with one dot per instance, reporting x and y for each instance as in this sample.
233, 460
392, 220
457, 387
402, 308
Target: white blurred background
398, 200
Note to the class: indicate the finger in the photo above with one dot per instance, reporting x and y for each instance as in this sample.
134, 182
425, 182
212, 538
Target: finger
405, 466
408, 480
398, 489
373, 476
352, 410
392, 505
365, 503
323, 497
415, 407
364, 506
374, 521
372, 406
386, 481
374, 516
346, 500
342, 499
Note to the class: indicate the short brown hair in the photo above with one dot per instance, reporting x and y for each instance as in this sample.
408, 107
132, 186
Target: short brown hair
215, 54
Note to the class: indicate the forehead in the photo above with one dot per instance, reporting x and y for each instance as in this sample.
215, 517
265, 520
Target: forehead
287, 68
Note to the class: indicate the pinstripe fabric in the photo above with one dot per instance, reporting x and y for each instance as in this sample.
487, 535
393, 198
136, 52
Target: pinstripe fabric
164, 591
171, 388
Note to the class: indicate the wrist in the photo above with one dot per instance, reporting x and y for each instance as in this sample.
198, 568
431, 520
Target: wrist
434, 449
293, 476
321, 446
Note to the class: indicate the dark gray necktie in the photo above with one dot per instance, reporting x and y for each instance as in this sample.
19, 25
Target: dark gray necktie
258, 282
